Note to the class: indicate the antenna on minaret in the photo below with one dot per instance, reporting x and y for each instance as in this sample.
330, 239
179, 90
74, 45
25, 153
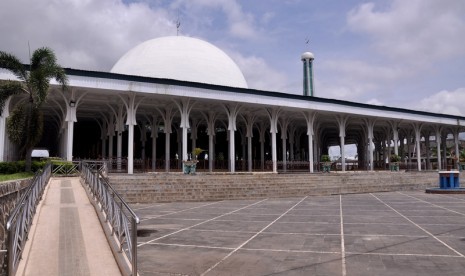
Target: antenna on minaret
178, 24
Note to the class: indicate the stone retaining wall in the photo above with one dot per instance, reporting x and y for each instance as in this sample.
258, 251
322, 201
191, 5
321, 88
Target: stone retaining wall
206, 187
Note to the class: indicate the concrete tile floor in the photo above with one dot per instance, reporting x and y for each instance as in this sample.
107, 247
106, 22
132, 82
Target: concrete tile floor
396, 233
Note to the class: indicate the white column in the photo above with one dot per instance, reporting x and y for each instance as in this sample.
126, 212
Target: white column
456, 143
210, 117
167, 151
438, 147
3, 116
232, 150
70, 118
396, 141
273, 115
274, 153
370, 127
310, 119
185, 107
342, 122
130, 149
232, 111
417, 129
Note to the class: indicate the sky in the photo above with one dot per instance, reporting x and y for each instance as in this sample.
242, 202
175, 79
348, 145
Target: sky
400, 53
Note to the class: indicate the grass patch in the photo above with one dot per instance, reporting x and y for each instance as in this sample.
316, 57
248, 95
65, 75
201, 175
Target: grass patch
15, 176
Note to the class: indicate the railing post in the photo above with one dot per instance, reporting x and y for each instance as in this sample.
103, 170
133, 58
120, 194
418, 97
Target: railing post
134, 247
11, 246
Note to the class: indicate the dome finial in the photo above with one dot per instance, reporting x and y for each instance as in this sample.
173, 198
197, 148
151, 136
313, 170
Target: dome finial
178, 24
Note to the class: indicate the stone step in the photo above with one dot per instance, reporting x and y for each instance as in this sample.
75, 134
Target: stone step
210, 187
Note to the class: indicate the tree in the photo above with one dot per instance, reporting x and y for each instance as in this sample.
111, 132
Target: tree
25, 124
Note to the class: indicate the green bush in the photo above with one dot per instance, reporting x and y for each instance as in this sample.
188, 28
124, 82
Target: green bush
325, 158
20, 166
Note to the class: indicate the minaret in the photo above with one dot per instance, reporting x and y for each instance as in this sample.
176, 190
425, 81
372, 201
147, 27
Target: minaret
307, 59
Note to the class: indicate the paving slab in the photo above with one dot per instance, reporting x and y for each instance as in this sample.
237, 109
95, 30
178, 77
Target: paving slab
393, 233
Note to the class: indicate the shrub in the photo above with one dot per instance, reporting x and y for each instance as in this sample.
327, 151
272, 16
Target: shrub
325, 158
20, 166
395, 158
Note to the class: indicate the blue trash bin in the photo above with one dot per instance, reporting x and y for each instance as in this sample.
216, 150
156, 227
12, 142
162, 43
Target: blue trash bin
449, 180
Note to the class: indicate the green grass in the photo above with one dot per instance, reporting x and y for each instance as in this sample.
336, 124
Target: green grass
14, 176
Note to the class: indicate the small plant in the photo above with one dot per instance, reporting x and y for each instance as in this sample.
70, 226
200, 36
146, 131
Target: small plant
196, 152
325, 158
395, 158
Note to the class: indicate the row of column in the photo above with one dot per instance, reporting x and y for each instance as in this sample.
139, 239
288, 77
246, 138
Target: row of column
114, 123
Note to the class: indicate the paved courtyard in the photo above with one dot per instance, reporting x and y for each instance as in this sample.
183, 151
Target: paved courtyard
397, 233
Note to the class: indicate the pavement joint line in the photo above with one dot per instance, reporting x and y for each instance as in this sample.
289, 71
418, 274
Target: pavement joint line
401, 254
181, 218
343, 249
426, 231
175, 212
305, 251
200, 223
246, 249
433, 204
251, 238
150, 206
302, 234
192, 245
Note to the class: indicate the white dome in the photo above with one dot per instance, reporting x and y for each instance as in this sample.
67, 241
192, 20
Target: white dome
307, 55
181, 58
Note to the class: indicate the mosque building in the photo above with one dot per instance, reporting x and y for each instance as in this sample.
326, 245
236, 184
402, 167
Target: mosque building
170, 95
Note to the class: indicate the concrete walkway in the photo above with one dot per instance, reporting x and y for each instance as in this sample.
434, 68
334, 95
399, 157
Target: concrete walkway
66, 237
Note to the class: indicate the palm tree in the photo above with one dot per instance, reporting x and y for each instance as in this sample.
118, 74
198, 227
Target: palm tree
25, 123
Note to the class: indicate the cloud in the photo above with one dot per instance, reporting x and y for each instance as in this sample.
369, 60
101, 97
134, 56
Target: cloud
259, 74
414, 31
375, 102
89, 34
352, 79
240, 24
445, 102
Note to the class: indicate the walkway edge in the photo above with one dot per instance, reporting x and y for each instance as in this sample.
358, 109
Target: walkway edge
30, 239
123, 263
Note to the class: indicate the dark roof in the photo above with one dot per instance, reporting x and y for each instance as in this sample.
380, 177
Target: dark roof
108, 75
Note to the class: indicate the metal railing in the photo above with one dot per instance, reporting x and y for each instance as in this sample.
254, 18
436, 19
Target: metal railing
116, 212
66, 169
21, 217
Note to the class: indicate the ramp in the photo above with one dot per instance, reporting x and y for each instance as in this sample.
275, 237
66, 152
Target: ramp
66, 237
